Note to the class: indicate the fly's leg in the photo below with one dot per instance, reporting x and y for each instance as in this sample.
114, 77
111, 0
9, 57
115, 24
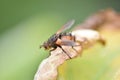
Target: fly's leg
53, 48
64, 51
74, 49
80, 44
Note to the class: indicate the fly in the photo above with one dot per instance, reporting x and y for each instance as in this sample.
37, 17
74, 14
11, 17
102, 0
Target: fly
61, 38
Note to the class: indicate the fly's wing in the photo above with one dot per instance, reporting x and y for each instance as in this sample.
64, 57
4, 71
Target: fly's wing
68, 43
66, 26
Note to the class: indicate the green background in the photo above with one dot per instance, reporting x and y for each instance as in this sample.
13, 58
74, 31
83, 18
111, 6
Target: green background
25, 24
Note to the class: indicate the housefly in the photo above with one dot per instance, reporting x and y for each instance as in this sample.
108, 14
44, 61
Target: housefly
61, 38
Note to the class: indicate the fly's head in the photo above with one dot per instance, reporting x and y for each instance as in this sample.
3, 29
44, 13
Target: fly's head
45, 45
49, 44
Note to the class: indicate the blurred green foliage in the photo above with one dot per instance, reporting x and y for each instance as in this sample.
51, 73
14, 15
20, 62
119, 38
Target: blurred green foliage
25, 24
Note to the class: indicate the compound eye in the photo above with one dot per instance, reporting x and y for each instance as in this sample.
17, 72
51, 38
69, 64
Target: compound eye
45, 47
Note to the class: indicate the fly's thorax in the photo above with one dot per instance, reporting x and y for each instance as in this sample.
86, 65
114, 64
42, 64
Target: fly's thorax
53, 38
